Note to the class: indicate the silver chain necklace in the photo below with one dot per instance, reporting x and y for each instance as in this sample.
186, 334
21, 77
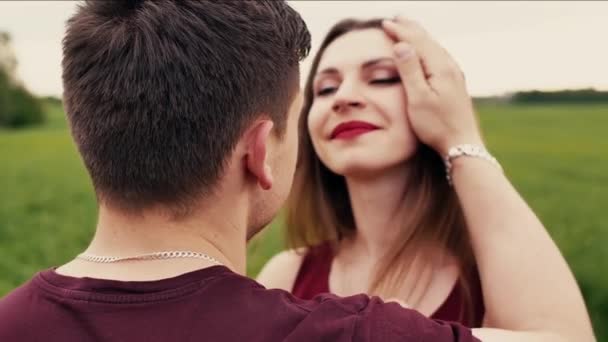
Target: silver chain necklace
149, 256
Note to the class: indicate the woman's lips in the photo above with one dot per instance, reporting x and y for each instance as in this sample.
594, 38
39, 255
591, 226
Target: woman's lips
351, 129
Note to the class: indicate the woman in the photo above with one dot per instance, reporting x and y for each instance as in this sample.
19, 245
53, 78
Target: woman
373, 210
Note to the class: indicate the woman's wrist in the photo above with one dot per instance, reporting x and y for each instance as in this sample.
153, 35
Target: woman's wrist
444, 146
461, 152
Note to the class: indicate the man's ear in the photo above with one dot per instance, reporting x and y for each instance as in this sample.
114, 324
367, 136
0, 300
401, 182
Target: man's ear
257, 153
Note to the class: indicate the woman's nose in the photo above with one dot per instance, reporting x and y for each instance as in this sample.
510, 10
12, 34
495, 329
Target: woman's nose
342, 105
346, 98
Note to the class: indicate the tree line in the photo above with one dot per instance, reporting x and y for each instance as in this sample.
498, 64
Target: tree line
589, 95
18, 107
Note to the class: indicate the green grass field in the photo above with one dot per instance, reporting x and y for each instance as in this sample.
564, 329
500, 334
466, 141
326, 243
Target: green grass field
556, 155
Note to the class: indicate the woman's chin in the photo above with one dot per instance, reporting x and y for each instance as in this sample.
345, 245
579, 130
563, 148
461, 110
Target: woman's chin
368, 170
360, 171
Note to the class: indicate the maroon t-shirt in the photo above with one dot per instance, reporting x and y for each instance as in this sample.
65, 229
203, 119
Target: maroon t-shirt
211, 304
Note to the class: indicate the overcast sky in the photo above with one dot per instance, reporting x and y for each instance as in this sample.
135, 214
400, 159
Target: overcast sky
502, 46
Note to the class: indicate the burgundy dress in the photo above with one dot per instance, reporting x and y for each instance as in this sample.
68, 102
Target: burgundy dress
313, 279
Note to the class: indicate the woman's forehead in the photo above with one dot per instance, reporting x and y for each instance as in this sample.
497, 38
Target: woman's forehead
356, 48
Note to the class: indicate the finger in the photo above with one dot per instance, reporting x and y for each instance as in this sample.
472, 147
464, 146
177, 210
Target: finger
453, 65
415, 36
434, 57
390, 30
448, 77
410, 70
444, 63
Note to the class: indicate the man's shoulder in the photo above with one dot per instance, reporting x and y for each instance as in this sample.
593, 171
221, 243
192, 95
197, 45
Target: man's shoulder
16, 310
15, 299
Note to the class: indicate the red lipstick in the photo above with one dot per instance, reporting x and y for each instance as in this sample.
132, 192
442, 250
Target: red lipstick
351, 129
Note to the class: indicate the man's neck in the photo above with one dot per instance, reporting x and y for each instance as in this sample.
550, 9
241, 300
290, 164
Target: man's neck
209, 231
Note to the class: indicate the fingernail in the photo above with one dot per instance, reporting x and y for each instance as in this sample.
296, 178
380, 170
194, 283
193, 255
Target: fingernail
403, 51
388, 23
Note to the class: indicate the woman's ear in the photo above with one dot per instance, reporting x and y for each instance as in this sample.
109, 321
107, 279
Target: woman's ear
257, 153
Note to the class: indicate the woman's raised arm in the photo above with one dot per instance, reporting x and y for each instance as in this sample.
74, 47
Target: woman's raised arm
529, 290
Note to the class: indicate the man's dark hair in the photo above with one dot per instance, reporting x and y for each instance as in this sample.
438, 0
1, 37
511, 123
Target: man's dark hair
157, 93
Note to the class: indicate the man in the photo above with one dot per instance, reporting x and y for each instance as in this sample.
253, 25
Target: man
185, 115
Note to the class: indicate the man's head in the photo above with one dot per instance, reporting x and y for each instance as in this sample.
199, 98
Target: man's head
159, 93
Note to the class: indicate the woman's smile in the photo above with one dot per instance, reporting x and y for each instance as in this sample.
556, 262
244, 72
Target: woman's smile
352, 129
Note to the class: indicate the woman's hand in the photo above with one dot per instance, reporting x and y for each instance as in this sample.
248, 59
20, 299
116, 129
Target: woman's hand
439, 108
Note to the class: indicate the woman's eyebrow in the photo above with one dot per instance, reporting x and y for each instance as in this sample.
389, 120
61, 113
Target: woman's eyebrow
366, 65
376, 61
330, 70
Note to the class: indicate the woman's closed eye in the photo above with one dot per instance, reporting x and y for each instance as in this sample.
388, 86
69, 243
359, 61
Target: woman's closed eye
386, 80
326, 91
330, 87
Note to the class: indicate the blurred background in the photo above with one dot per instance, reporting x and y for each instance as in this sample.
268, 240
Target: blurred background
537, 70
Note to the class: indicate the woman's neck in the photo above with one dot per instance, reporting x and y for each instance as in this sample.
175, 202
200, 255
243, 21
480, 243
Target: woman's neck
379, 206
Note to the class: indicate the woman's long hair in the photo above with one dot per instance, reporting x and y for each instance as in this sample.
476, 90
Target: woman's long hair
319, 210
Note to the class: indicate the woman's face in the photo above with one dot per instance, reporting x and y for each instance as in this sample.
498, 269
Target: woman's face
357, 122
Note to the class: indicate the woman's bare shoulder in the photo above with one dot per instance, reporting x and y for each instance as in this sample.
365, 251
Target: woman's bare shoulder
281, 270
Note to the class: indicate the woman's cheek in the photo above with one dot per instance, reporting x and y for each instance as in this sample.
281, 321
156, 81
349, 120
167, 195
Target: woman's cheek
315, 122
